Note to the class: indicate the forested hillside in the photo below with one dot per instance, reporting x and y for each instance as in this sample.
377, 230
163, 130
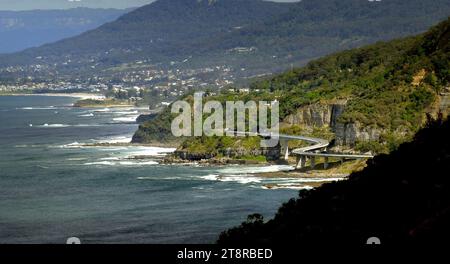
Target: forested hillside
400, 198
251, 36
388, 87
163, 28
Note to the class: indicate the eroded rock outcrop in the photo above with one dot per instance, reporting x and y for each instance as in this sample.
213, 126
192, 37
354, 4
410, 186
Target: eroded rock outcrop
317, 115
327, 115
348, 134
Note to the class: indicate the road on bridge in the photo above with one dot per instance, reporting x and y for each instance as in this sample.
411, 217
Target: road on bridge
311, 151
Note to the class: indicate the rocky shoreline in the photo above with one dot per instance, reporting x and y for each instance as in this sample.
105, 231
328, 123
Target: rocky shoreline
106, 144
171, 159
313, 178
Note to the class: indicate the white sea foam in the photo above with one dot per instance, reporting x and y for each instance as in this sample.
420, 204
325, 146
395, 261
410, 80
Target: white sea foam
115, 140
72, 145
301, 180
127, 119
88, 125
244, 175
173, 178
150, 151
103, 110
110, 158
76, 159
211, 177
109, 149
232, 178
240, 179
87, 115
28, 146
133, 112
37, 108
291, 187
145, 178
253, 170
54, 125
156, 178
120, 163
46, 125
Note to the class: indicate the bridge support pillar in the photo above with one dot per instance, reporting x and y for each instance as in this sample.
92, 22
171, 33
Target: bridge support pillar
313, 162
284, 149
301, 161
325, 163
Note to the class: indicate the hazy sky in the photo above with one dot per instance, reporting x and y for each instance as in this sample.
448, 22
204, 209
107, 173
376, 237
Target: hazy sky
58, 4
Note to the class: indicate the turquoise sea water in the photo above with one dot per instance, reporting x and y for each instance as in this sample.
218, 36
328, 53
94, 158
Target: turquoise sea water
52, 187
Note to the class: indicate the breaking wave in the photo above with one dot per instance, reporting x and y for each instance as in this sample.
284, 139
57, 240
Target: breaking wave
253, 170
66, 125
87, 115
129, 119
54, 125
121, 163
37, 108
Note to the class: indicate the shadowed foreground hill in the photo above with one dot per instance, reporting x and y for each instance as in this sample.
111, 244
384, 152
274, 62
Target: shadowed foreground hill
403, 197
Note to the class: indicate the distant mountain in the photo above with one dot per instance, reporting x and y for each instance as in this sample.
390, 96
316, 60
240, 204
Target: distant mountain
25, 29
250, 36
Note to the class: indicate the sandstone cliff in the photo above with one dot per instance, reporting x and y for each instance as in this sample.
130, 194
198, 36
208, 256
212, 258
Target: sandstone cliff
326, 115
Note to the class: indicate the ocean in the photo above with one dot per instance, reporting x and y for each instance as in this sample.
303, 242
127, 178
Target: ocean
53, 186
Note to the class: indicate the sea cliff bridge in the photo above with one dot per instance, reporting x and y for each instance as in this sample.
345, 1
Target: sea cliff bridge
318, 148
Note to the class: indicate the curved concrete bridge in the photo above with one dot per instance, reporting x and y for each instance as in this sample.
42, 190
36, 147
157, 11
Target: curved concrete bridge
318, 148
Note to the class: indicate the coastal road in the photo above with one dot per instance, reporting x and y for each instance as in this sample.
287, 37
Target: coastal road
316, 149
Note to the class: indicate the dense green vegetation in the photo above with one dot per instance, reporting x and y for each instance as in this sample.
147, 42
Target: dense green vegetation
376, 79
102, 103
390, 86
157, 130
401, 198
165, 30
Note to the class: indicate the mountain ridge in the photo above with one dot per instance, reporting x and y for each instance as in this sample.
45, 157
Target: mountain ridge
25, 29
273, 36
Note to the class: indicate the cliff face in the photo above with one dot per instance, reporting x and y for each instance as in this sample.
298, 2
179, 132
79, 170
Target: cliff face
444, 100
347, 134
316, 115
145, 118
327, 115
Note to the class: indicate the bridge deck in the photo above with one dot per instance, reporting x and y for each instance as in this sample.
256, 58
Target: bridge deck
332, 155
317, 144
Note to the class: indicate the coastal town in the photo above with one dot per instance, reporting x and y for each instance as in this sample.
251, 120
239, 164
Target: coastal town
139, 81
